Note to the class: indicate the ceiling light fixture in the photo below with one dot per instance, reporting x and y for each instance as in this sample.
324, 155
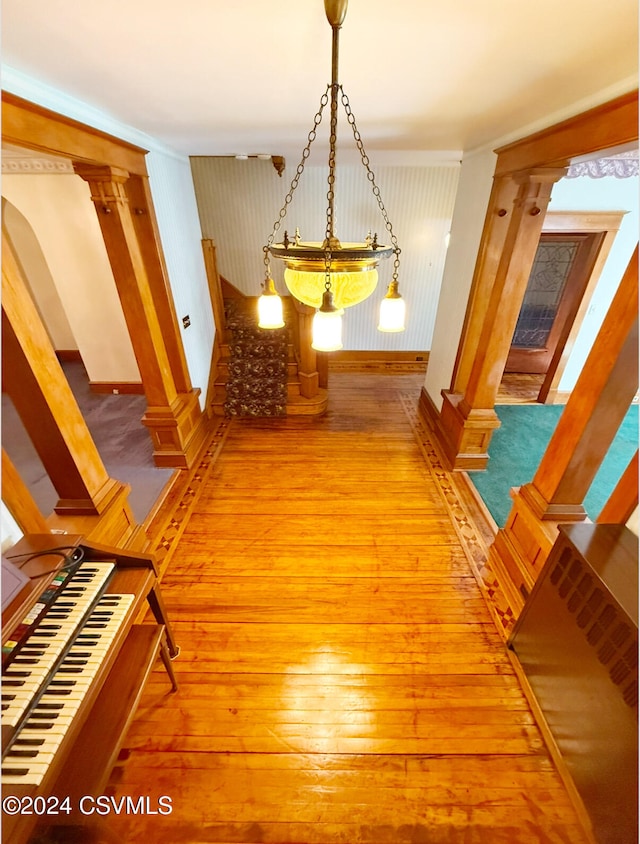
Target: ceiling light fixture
331, 276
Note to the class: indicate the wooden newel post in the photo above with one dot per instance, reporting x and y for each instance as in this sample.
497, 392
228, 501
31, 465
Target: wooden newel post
215, 289
308, 358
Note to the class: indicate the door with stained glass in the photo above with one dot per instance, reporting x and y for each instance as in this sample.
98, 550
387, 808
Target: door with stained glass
555, 288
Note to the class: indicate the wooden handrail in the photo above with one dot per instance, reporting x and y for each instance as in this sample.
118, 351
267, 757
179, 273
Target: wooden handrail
215, 288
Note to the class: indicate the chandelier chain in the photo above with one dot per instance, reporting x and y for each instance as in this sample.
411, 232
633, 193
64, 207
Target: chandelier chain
324, 99
331, 180
372, 179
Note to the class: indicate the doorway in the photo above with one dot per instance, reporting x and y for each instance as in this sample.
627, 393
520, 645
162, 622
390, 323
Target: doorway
558, 279
572, 250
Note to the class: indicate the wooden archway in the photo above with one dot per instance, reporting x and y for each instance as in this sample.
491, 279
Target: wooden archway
524, 177
116, 173
525, 174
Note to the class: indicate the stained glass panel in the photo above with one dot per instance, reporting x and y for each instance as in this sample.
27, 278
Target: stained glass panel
549, 274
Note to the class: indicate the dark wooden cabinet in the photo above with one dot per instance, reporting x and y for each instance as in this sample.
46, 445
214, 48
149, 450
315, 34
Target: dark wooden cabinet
577, 641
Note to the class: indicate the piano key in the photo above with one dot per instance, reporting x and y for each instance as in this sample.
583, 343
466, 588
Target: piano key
53, 638
17, 774
59, 702
23, 757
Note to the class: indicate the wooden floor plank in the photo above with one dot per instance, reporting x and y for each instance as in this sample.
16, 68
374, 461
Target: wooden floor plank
341, 678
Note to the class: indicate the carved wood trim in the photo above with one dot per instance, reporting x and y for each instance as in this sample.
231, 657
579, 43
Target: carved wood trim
607, 126
28, 125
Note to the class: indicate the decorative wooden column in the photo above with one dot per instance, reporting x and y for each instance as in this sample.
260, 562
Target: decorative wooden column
307, 367
504, 193
19, 500
146, 228
33, 378
507, 251
623, 501
173, 416
601, 398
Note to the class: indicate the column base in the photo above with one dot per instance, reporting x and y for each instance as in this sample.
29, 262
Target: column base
94, 506
465, 433
114, 525
178, 432
521, 548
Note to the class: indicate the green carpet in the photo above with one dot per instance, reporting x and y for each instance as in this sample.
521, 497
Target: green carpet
517, 448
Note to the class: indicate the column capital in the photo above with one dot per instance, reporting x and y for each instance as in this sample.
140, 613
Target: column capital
107, 184
540, 174
534, 186
100, 173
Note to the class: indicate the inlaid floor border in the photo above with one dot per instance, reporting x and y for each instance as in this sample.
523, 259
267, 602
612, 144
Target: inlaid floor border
174, 514
472, 542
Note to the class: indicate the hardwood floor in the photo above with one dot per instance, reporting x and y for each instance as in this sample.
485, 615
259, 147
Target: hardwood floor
341, 678
519, 388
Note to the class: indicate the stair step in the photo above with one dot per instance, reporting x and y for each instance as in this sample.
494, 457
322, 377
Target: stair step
257, 409
257, 368
252, 348
223, 372
269, 388
221, 387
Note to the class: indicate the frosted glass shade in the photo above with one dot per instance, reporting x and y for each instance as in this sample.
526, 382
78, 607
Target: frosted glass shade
326, 331
392, 314
348, 288
270, 311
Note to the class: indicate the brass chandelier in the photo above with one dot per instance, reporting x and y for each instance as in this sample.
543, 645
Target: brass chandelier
329, 275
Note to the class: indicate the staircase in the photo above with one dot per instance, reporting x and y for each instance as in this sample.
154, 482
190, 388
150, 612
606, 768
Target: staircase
256, 383
257, 372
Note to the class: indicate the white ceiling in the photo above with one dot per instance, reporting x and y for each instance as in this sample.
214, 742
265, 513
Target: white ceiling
245, 76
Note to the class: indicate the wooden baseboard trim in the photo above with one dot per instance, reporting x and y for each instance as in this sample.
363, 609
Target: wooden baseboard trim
354, 361
116, 387
433, 419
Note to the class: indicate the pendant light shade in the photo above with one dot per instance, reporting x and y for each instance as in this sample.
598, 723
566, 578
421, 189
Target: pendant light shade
392, 310
327, 326
270, 307
348, 288
349, 270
